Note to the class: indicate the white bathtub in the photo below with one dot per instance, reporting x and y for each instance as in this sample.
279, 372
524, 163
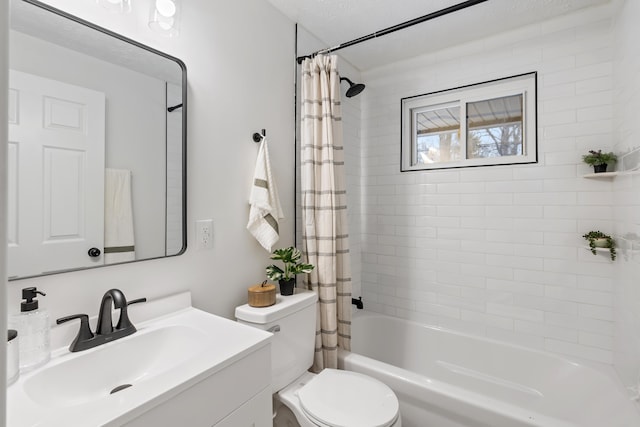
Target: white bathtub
446, 379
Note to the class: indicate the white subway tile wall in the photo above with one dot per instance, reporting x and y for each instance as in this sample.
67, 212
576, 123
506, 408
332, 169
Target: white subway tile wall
626, 126
497, 251
351, 129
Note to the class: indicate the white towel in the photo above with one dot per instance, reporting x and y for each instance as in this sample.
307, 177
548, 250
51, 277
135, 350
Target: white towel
118, 217
265, 209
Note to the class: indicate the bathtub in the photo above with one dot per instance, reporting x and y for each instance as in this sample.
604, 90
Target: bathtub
448, 379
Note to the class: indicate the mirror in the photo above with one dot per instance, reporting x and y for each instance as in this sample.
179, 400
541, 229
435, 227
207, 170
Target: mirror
97, 137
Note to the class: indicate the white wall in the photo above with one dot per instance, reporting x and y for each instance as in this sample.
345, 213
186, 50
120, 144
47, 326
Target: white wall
239, 58
627, 190
497, 251
4, 120
134, 125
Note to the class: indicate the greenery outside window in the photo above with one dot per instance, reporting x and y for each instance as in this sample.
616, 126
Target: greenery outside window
490, 123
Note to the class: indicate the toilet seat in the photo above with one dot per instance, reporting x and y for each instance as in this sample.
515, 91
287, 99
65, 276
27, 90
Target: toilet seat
336, 398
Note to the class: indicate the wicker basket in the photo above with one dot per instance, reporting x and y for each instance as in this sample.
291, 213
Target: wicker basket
262, 295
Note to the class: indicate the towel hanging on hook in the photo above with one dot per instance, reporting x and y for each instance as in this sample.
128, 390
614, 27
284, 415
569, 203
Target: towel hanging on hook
265, 210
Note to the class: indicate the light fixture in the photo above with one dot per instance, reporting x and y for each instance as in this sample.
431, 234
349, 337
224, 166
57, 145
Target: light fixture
118, 6
164, 17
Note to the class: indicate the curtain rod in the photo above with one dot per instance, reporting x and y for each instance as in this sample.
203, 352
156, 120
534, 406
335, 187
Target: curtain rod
402, 26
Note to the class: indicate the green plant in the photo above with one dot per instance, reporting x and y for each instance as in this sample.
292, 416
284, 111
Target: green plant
592, 236
290, 257
595, 158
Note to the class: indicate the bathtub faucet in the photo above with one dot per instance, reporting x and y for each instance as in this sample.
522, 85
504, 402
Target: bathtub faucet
358, 303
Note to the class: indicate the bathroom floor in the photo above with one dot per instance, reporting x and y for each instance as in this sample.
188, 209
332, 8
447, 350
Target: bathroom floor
284, 417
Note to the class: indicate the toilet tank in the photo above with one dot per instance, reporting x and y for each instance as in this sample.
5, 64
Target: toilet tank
292, 319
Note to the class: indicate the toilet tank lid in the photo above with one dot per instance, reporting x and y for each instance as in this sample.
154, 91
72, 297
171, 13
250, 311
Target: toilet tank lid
284, 306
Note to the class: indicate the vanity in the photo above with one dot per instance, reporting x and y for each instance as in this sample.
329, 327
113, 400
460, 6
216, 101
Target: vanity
183, 367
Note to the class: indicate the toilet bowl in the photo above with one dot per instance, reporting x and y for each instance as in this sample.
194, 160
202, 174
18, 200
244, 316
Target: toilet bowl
331, 398
336, 398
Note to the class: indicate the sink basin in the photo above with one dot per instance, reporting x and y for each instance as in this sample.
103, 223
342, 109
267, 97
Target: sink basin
116, 382
126, 362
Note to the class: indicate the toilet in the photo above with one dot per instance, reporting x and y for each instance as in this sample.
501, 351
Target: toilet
332, 398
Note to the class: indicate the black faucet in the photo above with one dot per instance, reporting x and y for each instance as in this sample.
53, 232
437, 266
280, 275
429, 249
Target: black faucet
116, 298
105, 331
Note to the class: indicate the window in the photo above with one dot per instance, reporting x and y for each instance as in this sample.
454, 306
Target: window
490, 123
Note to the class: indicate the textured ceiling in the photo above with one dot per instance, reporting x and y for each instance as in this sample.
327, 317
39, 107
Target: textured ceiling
338, 21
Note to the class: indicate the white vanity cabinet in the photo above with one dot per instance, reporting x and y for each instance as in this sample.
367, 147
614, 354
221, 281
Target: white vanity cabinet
251, 413
182, 368
239, 395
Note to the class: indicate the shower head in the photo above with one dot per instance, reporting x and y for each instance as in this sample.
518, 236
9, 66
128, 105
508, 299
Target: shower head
354, 88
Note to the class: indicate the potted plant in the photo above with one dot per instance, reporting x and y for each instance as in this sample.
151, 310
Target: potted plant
599, 160
598, 239
290, 257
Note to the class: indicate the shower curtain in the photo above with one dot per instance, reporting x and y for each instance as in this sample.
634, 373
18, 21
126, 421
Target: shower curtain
325, 242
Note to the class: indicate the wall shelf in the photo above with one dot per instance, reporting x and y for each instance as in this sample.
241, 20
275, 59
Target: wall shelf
597, 249
610, 175
602, 175
601, 251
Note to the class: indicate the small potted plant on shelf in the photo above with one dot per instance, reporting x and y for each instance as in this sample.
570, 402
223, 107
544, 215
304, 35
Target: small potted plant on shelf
290, 257
599, 160
598, 239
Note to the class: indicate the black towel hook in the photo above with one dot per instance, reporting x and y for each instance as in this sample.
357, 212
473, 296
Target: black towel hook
257, 137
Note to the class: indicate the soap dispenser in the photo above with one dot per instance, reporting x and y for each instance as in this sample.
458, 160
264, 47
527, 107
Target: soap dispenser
33, 329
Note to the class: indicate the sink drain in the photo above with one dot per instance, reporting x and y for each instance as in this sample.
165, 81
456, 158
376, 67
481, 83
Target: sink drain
120, 388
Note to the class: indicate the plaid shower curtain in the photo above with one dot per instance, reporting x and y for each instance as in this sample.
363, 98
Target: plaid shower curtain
325, 240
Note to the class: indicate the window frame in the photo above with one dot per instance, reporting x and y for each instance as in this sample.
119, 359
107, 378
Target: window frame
521, 84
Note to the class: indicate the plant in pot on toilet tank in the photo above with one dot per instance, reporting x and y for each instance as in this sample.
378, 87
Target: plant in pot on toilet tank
290, 257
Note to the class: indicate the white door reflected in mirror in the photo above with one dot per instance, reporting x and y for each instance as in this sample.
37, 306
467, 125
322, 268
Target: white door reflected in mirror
56, 175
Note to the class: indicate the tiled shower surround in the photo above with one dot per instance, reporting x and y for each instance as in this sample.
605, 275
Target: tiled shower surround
497, 251
626, 214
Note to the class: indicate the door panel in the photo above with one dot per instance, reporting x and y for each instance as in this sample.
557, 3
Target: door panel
56, 175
